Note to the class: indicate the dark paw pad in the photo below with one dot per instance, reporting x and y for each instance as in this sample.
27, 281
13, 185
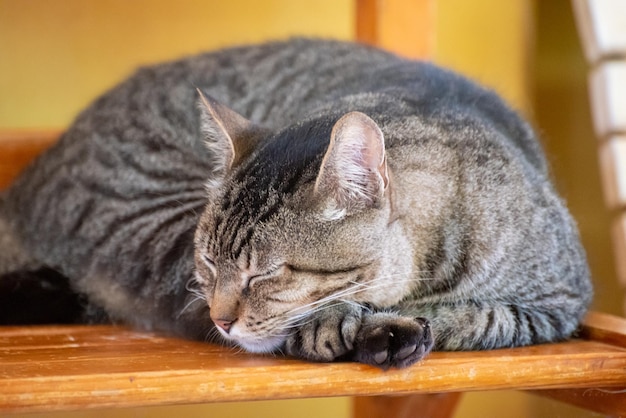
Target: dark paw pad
386, 340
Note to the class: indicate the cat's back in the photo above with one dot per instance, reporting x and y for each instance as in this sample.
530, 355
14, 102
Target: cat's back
138, 148
278, 84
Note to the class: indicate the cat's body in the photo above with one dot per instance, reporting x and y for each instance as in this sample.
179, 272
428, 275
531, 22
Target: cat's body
437, 204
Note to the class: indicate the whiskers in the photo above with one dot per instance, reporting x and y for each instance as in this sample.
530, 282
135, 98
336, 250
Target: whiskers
349, 297
213, 335
302, 315
195, 295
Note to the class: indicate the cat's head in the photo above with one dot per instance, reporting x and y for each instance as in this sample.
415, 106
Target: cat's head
295, 221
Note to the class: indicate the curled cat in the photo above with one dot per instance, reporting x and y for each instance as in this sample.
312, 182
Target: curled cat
323, 199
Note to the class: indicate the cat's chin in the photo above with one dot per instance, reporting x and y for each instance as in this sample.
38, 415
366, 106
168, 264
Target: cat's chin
255, 344
268, 345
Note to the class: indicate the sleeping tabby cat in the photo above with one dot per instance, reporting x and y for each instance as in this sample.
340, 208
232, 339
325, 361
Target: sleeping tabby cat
318, 198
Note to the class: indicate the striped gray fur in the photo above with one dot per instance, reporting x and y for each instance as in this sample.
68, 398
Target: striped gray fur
214, 181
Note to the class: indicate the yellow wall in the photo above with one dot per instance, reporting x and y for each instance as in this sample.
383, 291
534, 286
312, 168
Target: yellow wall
55, 56
491, 41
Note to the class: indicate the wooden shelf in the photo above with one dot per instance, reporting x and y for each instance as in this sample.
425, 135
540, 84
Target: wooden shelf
48, 368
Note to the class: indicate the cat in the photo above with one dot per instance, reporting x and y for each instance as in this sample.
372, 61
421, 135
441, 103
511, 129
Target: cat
322, 199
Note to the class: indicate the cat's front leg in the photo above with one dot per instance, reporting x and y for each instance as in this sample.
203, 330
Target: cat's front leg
327, 334
345, 332
391, 340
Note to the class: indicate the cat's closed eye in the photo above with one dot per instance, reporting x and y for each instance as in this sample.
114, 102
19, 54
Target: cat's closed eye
271, 272
209, 263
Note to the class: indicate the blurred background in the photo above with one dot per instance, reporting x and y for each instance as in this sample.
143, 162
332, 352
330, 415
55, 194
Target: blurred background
57, 56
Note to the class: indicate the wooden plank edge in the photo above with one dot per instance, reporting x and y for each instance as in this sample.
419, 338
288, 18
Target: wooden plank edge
296, 379
606, 328
21, 135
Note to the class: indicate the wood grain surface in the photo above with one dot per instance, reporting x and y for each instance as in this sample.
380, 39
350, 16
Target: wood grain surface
70, 367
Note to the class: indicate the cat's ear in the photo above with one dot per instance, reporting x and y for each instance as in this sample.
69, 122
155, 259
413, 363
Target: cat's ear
353, 175
230, 136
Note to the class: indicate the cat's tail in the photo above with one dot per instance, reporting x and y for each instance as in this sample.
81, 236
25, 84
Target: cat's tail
30, 292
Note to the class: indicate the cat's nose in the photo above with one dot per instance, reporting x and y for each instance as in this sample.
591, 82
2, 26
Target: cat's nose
224, 324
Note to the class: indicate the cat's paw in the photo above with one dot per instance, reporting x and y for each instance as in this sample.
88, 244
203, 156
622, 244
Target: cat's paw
388, 340
326, 335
